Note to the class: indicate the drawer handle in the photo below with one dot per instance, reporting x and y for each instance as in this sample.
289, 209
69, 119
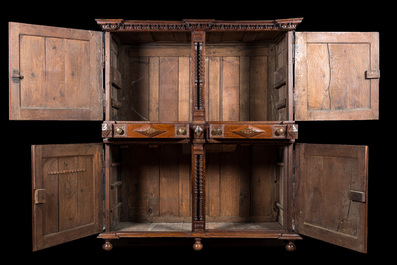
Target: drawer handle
216, 131
119, 130
279, 132
181, 131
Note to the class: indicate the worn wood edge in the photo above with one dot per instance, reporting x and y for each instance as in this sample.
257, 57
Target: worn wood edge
207, 234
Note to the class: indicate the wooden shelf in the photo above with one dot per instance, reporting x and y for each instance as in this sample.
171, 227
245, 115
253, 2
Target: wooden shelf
186, 227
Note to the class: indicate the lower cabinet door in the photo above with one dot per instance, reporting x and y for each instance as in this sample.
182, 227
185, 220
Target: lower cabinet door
331, 195
66, 193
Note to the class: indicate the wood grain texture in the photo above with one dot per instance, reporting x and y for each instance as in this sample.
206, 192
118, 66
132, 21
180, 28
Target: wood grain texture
155, 83
156, 184
240, 183
71, 176
62, 73
326, 175
331, 82
237, 82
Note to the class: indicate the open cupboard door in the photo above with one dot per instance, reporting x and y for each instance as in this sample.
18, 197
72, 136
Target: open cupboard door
67, 193
331, 194
336, 76
54, 73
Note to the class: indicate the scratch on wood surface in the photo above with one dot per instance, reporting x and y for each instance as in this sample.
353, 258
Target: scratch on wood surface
170, 70
135, 81
328, 91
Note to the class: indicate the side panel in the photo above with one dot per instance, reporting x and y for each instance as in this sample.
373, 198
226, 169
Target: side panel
67, 193
331, 194
54, 73
337, 75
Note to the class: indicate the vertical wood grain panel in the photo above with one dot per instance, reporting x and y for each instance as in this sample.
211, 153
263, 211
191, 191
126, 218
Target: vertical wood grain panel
184, 184
262, 172
169, 181
213, 184
245, 181
258, 89
77, 74
245, 84
85, 191
68, 194
318, 93
50, 224
230, 88
32, 67
168, 105
230, 184
55, 72
154, 68
138, 88
214, 101
184, 89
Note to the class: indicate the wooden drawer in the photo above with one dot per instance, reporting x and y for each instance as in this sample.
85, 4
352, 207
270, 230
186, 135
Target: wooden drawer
146, 130
252, 131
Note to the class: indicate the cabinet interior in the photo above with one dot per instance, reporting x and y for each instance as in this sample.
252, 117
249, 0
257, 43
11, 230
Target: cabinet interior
246, 76
151, 187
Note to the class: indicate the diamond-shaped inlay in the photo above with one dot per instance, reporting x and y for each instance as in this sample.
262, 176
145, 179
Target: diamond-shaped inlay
149, 131
248, 132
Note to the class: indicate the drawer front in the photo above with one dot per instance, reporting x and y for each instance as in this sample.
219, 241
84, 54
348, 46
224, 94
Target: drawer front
151, 130
253, 131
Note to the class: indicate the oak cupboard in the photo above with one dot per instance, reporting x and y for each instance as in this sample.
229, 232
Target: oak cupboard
198, 129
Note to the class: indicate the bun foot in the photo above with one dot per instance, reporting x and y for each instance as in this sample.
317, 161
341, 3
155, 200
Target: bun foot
197, 245
107, 246
290, 246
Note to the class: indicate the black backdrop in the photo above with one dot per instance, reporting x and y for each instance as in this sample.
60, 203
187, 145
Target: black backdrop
17, 136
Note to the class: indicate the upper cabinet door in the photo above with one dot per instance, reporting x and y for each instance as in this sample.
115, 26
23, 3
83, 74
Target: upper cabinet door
336, 76
331, 194
67, 193
54, 73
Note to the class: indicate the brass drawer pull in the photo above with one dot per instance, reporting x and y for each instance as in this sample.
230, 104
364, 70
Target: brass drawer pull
279, 132
119, 130
216, 131
181, 131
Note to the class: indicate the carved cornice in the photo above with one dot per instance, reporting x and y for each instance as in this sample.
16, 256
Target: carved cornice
194, 24
279, 24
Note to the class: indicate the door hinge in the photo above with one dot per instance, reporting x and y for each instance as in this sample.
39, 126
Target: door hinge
40, 196
372, 74
357, 196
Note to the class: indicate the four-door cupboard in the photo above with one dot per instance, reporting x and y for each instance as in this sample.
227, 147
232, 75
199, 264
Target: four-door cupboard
198, 129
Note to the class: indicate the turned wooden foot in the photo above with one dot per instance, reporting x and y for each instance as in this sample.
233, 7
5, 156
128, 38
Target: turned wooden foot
290, 246
197, 245
107, 246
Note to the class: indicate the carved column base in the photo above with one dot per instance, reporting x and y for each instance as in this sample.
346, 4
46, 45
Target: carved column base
197, 245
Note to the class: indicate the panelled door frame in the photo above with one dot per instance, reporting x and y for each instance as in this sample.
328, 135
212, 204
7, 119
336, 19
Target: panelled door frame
336, 76
54, 73
331, 194
67, 192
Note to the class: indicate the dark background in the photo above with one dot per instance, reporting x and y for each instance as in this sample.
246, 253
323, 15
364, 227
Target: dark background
18, 136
